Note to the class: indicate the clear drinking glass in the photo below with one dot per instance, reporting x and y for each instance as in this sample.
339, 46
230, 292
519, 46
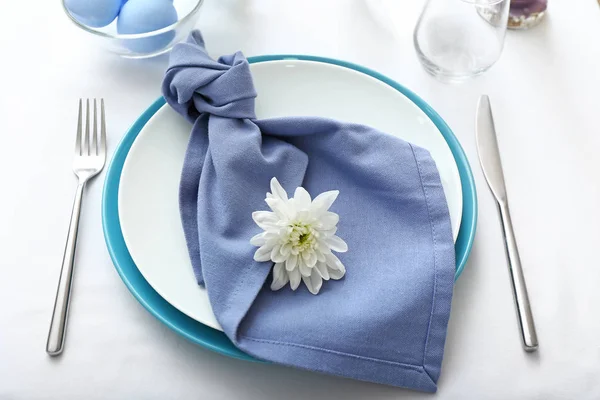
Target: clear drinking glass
458, 39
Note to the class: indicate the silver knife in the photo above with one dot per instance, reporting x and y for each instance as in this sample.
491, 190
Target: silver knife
489, 157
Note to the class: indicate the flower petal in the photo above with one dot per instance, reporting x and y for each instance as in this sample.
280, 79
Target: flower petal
336, 274
320, 256
323, 247
280, 277
276, 255
292, 208
310, 258
313, 283
317, 282
322, 269
263, 253
333, 262
279, 258
329, 220
275, 250
280, 207
294, 278
336, 244
265, 219
286, 249
277, 190
328, 232
271, 237
258, 240
322, 202
305, 270
291, 262
302, 199
308, 283
342, 267
303, 215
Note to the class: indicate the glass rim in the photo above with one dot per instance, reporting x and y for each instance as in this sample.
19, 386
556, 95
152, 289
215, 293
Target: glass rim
169, 28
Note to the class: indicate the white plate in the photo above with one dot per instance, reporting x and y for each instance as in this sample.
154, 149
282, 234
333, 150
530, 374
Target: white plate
148, 191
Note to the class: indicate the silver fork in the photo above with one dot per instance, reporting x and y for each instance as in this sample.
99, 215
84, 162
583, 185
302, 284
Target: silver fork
88, 161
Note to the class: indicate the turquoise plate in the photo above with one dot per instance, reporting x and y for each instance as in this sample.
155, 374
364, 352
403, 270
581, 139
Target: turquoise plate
194, 330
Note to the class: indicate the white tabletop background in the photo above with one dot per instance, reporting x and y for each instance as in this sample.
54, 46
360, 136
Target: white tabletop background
545, 92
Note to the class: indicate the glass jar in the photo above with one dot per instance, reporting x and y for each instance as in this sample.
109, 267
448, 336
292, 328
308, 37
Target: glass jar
459, 39
525, 14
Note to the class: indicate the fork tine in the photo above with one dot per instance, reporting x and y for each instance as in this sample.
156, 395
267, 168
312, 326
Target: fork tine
78, 138
86, 141
102, 150
94, 149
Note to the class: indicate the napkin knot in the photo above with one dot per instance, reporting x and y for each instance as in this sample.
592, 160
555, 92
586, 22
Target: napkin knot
195, 83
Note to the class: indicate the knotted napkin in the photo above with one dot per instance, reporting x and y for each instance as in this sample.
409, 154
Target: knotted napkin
386, 320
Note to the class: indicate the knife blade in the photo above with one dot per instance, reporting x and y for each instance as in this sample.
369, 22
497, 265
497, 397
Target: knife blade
491, 164
487, 147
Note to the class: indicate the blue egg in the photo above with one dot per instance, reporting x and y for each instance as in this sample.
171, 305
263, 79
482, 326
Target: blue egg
94, 13
141, 16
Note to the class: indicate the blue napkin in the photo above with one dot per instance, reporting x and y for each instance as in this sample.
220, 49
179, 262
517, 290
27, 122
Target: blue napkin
386, 320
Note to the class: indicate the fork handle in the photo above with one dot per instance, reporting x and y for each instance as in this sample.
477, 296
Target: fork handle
56, 334
525, 316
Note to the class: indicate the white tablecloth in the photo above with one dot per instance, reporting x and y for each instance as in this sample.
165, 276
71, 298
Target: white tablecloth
545, 92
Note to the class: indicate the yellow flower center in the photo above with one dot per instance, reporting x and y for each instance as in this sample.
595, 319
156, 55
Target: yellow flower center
301, 236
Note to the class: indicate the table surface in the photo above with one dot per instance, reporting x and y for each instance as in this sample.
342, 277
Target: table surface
544, 91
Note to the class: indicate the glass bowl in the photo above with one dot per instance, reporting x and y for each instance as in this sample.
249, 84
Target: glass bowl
149, 44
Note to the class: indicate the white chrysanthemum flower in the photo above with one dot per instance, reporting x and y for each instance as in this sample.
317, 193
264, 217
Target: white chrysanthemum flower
299, 236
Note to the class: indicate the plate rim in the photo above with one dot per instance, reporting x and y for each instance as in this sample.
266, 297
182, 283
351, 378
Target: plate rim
196, 331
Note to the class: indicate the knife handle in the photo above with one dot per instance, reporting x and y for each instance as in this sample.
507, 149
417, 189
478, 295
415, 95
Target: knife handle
528, 334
